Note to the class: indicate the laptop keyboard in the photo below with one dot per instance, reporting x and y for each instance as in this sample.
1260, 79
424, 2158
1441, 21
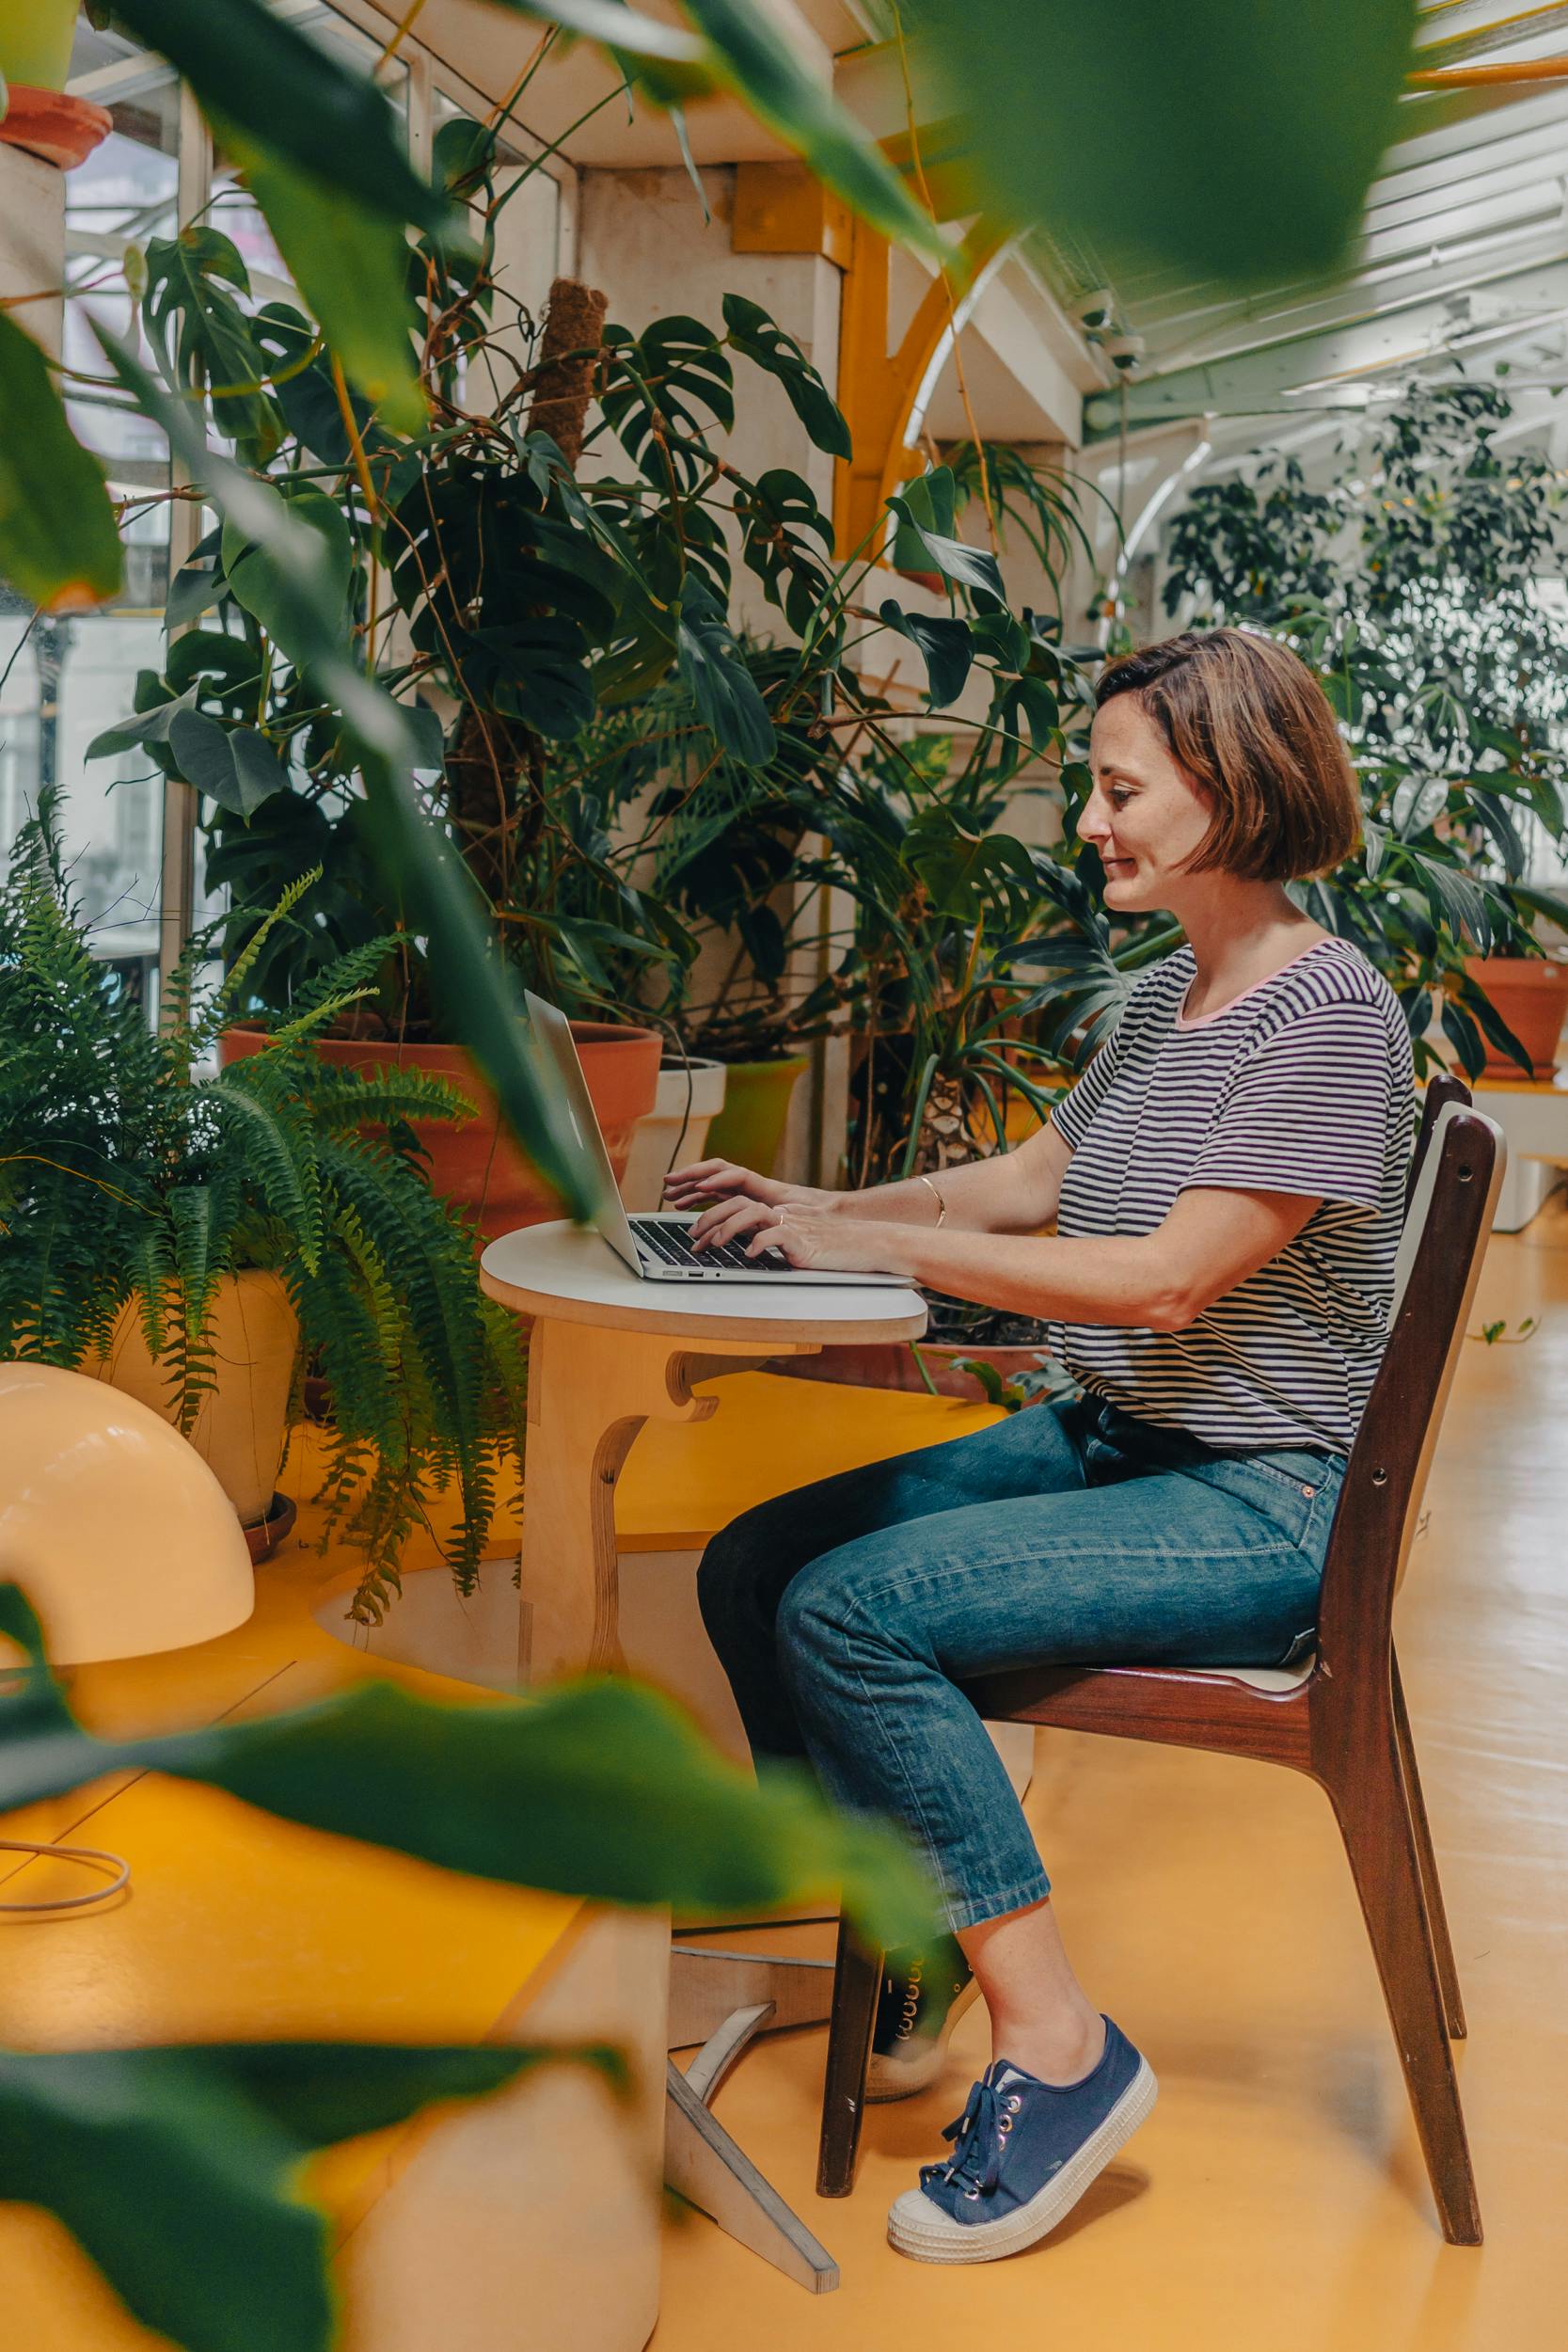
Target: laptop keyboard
669, 1242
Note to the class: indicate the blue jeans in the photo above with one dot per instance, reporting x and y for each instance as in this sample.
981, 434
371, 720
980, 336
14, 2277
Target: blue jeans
847, 1613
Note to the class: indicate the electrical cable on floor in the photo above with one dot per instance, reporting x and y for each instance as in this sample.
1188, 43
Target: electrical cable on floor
91, 1857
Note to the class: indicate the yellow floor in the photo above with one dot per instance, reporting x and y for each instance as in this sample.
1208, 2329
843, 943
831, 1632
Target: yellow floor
1276, 2200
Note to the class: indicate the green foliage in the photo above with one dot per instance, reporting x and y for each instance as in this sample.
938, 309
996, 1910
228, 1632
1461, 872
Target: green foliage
174, 2169
1045, 1379
125, 1176
1285, 114
303, 597
539, 605
949, 914
58, 544
628, 772
1407, 578
1231, 141
1497, 1333
596, 1787
177, 2169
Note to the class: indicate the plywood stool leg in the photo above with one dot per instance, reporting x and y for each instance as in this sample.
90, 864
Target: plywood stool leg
707, 2166
590, 1389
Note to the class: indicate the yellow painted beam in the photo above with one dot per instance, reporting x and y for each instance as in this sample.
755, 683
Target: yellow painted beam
1523, 70
784, 208
878, 388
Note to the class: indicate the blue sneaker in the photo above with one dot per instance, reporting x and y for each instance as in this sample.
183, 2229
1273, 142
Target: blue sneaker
1023, 2153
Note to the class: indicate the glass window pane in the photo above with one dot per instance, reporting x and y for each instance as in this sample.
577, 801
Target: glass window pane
66, 680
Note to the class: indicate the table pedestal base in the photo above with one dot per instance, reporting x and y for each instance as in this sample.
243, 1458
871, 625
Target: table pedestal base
590, 1390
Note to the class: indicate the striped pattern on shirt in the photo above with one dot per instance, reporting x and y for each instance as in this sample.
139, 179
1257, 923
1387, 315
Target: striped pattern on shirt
1303, 1085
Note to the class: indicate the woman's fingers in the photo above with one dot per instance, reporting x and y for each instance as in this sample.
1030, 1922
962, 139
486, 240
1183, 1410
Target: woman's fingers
775, 1233
728, 1219
700, 1179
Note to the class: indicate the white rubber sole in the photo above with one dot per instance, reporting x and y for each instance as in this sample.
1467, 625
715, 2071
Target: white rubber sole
923, 2230
924, 2056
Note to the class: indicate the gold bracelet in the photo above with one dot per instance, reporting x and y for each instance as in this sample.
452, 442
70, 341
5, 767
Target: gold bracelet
942, 1205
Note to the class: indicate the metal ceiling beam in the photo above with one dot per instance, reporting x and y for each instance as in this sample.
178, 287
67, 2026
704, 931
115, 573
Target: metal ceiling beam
1472, 125
1531, 130
1268, 380
1501, 236
1486, 39
1381, 295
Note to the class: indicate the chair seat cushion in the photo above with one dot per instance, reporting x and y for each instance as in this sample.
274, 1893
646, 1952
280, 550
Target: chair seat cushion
1274, 1679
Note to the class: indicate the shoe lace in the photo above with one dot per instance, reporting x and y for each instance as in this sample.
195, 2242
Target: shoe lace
976, 2164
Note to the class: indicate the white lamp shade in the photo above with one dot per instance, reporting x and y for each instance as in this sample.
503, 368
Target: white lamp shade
114, 1527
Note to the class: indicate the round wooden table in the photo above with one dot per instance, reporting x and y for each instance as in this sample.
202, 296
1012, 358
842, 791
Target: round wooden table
606, 1353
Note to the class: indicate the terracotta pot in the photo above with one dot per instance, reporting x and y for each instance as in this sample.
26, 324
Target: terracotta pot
241, 1431
690, 1095
49, 124
751, 1126
476, 1165
863, 1364
1530, 994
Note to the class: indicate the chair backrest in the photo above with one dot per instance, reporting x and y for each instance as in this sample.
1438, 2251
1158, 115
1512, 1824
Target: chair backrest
1457, 1173
1439, 1092
1444, 1097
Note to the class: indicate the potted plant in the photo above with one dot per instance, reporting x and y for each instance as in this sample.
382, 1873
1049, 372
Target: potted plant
1406, 574
36, 37
201, 1238
690, 1096
504, 604
1530, 995
565, 645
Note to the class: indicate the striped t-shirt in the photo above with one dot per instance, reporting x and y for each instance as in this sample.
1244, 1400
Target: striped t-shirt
1302, 1085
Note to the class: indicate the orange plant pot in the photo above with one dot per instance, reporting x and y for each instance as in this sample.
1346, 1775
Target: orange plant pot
50, 123
476, 1165
1530, 994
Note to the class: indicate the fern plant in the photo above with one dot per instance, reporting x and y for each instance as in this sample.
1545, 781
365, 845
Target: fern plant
127, 1175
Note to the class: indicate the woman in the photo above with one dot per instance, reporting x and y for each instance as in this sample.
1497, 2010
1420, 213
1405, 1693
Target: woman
1226, 1180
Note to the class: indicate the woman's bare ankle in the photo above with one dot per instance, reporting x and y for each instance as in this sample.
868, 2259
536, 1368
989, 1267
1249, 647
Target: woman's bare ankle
1061, 2049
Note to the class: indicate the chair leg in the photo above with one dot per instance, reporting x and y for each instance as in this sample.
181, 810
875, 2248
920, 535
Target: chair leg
1437, 1920
857, 1980
1379, 1840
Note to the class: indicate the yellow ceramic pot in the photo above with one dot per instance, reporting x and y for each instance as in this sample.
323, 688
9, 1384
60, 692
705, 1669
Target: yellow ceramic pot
242, 1430
35, 41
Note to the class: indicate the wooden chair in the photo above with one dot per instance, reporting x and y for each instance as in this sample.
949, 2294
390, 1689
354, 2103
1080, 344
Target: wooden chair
1341, 1717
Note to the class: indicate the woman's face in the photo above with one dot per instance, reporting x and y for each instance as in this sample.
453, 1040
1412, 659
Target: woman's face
1145, 816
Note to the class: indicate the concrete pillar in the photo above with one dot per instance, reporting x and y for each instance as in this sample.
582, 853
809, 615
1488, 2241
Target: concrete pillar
641, 236
32, 242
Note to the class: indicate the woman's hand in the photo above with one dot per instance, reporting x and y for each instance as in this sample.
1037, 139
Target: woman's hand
715, 1189
809, 1235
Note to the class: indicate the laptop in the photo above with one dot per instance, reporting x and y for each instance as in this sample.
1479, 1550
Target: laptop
654, 1245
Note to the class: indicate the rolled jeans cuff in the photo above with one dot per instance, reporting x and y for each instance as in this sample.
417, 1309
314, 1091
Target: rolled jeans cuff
972, 1911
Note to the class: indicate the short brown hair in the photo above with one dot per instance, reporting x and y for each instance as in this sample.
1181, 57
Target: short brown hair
1252, 727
